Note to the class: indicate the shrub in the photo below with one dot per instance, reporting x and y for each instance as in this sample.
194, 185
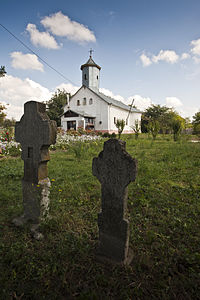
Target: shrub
106, 135
153, 128
12, 149
120, 124
113, 135
136, 128
176, 129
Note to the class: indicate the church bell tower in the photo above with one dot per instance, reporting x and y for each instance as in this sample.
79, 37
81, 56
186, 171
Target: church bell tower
91, 73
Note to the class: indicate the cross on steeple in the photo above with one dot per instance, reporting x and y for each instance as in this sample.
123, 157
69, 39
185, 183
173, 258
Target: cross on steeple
91, 52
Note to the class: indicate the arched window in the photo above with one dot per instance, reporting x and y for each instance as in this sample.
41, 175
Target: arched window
84, 101
78, 103
97, 77
90, 101
85, 77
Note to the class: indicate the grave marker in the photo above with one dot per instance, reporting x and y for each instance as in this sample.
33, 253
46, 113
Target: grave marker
35, 132
115, 169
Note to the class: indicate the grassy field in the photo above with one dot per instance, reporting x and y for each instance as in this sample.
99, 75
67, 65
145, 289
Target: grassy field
164, 214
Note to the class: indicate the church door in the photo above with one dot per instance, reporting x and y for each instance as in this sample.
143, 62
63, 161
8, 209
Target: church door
71, 125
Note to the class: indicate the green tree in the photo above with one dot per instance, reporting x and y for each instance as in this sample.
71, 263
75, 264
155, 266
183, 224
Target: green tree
153, 128
176, 128
2, 71
196, 123
155, 113
2, 114
55, 106
136, 128
165, 116
120, 124
9, 123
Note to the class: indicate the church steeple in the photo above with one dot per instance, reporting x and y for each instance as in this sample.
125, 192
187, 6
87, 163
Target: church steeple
90, 73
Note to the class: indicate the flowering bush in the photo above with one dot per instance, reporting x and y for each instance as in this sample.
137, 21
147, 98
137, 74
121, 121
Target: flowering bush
12, 149
66, 138
7, 135
75, 141
7, 144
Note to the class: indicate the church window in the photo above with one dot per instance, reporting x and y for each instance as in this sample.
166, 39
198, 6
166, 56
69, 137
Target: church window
78, 102
114, 120
85, 77
84, 101
97, 77
90, 101
127, 121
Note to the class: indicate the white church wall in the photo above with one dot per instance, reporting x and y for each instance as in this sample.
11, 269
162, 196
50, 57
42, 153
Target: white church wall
118, 113
135, 117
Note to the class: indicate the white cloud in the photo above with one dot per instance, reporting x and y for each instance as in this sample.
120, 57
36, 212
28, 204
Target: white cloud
25, 61
173, 102
110, 94
185, 56
43, 39
188, 111
140, 102
145, 60
196, 59
195, 47
16, 92
61, 25
169, 56
68, 87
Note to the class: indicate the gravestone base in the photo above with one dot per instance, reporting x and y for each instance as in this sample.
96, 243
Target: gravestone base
109, 260
114, 240
36, 205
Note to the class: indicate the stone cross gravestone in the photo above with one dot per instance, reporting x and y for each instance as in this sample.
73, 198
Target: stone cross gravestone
35, 132
115, 169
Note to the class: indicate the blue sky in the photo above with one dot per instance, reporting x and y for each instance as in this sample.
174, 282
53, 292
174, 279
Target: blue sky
148, 50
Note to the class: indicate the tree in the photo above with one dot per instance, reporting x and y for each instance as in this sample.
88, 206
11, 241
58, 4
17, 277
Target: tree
196, 123
155, 113
153, 128
176, 128
2, 114
2, 71
165, 116
120, 124
9, 123
136, 128
55, 106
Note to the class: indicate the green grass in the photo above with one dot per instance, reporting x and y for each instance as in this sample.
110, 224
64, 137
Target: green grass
164, 214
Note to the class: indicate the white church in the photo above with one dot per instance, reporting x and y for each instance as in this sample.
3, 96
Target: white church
90, 109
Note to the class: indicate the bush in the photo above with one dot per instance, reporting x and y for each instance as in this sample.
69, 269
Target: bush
176, 129
153, 128
10, 149
113, 135
7, 134
106, 135
120, 124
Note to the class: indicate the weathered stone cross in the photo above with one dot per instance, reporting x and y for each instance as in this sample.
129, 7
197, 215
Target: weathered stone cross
115, 169
35, 132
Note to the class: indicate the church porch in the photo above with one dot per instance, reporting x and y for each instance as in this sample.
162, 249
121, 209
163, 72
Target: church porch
73, 121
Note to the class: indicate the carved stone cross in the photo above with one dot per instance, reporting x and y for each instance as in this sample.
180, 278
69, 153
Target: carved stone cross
115, 169
35, 132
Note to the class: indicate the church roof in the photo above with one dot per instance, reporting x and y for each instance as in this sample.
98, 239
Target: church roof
114, 102
90, 63
79, 113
